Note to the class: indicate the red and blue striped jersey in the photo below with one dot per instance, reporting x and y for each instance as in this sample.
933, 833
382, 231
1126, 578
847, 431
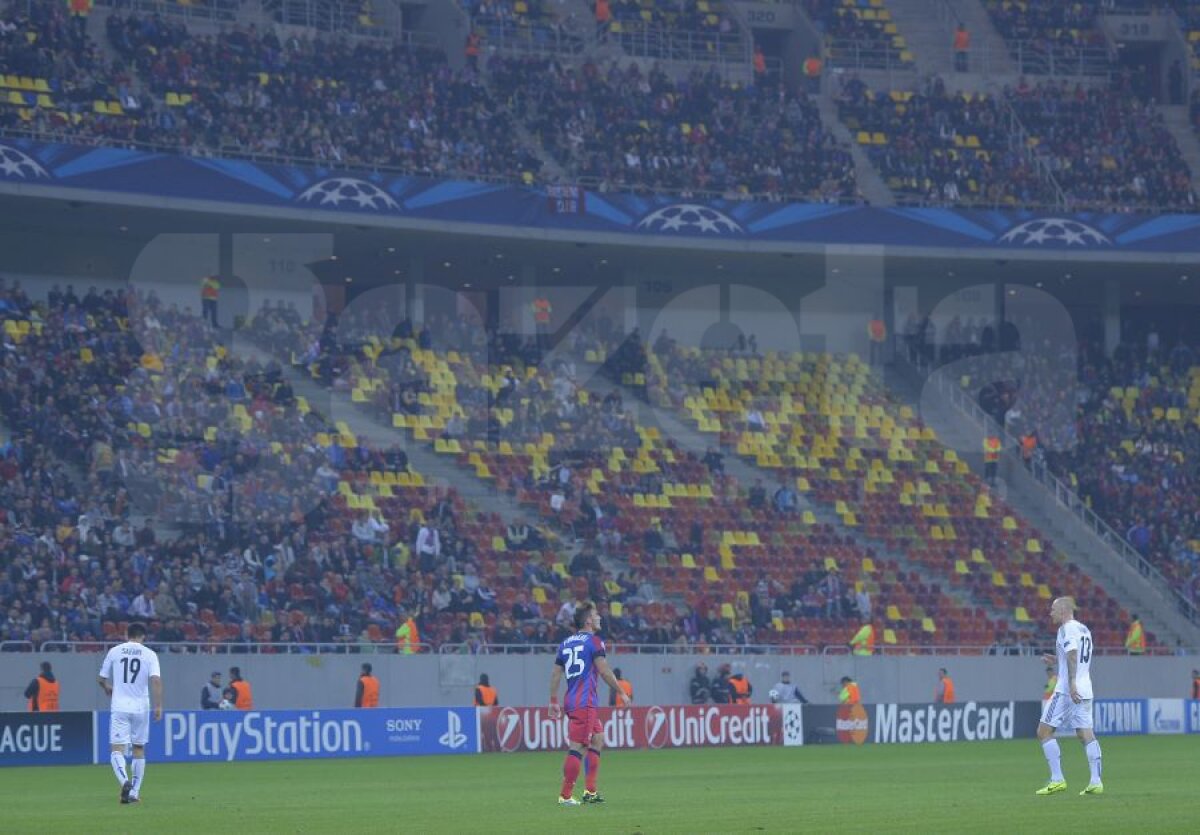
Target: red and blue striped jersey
577, 656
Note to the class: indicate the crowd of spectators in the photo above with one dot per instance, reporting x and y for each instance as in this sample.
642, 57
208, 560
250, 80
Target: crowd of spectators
245, 91
352, 103
586, 431
687, 15
118, 406
1107, 146
626, 128
1138, 444
943, 147
1120, 429
854, 38
1053, 36
370, 103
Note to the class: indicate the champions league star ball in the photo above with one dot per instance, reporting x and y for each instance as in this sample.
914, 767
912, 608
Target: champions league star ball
350, 191
1055, 231
690, 217
773, 696
18, 164
225, 704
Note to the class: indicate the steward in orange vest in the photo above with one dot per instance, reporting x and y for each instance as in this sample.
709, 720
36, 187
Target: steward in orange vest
863, 642
739, 689
472, 49
1135, 639
42, 692
945, 690
623, 698
408, 638
991, 456
367, 692
485, 694
245, 699
849, 694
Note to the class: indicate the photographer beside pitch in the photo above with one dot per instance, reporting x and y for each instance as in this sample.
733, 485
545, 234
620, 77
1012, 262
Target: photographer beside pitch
1071, 704
580, 658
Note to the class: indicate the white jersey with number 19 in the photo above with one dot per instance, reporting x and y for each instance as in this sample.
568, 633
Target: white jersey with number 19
1073, 635
129, 667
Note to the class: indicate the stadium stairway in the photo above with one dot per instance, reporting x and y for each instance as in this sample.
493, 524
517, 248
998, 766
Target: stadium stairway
1178, 121
694, 441
437, 468
434, 467
1036, 503
929, 27
872, 186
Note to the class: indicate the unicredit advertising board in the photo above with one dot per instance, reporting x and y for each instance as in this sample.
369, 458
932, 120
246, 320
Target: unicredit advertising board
511, 729
45, 739
228, 736
897, 723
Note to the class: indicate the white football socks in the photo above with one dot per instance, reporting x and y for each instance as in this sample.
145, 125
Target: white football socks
139, 768
1054, 759
1092, 749
118, 766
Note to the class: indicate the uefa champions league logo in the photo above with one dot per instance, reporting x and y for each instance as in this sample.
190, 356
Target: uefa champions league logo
1055, 231
350, 190
19, 165
690, 218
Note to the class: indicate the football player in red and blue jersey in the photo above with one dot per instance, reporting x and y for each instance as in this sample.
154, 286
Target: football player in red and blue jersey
581, 658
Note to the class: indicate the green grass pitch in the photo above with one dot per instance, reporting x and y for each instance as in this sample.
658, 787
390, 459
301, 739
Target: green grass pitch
1153, 785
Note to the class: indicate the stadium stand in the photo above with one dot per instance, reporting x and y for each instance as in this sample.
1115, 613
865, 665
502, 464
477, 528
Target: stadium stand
1102, 146
1106, 146
292, 528
242, 92
941, 147
750, 571
699, 136
1138, 434
1052, 37
280, 513
885, 475
692, 30
860, 33
524, 26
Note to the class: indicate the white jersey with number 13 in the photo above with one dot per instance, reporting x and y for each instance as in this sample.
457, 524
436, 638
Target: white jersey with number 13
1073, 635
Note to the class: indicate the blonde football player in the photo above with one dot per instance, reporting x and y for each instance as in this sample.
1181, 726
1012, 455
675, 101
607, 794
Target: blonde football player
1070, 706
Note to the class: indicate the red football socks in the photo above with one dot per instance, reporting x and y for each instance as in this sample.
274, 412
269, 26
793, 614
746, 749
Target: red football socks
593, 768
571, 766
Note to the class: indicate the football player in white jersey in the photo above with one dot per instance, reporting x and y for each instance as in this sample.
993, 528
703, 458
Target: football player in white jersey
130, 675
1070, 706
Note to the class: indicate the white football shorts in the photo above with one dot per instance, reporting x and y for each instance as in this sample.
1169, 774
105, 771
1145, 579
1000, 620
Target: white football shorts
129, 728
1061, 712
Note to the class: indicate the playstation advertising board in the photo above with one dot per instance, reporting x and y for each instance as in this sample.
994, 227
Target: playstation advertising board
238, 736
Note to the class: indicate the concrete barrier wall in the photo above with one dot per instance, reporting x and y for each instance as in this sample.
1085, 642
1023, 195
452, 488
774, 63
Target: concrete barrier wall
328, 681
